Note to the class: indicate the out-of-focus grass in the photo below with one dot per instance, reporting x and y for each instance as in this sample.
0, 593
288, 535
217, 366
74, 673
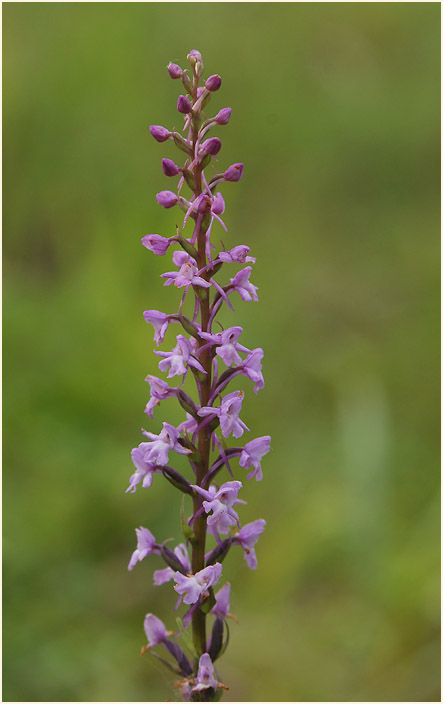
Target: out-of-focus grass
336, 116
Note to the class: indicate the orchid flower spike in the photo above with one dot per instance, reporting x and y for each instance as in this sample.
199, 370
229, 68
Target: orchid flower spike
194, 452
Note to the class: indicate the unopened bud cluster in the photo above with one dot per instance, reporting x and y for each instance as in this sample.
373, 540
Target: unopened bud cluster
214, 356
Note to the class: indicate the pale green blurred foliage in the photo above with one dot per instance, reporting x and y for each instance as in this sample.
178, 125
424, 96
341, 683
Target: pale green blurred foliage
336, 117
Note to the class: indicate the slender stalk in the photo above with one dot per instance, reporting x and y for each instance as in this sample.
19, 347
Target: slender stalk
204, 436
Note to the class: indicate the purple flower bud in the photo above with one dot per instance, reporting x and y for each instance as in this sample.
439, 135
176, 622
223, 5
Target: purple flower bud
161, 134
183, 104
169, 167
156, 243
199, 91
223, 117
211, 146
195, 59
237, 254
167, 199
155, 630
194, 56
213, 83
175, 71
233, 173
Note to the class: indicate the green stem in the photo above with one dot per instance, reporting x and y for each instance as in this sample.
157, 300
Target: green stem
204, 437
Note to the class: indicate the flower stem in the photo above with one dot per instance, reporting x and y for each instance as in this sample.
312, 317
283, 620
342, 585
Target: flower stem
204, 436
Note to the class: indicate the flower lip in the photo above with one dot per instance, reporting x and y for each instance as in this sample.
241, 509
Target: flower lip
205, 677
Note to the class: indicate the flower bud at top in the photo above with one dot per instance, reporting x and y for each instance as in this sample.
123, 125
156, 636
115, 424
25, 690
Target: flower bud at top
213, 83
195, 59
183, 104
194, 56
223, 117
233, 173
161, 134
211, 146
174, 70
169, 167
167, 199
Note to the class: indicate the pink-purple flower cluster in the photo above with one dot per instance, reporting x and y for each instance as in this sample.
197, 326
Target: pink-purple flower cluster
214, 356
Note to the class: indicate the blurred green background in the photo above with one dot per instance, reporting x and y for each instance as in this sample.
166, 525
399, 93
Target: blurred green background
336, 115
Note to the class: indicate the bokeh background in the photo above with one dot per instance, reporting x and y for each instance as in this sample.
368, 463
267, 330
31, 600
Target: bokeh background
336, 117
